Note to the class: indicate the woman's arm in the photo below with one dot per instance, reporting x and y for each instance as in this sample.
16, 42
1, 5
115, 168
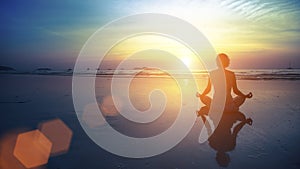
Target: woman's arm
235, 88
207, 89
237, 91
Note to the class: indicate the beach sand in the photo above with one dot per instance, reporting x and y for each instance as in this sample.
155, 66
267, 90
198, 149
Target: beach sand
272, 141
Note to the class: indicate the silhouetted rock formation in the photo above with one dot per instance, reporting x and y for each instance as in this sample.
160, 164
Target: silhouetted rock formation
6, 68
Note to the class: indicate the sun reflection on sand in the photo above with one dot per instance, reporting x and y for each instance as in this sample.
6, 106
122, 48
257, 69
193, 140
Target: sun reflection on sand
141, 96
140, 89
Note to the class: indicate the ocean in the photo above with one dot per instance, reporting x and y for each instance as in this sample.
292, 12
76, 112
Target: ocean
241, 74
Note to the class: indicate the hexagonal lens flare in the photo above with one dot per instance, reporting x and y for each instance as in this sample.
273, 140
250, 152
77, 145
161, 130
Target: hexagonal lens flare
59, 134
32, 148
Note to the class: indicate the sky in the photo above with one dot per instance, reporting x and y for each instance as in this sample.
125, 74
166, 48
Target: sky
51, 33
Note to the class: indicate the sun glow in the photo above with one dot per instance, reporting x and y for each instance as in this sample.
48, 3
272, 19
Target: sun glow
186, 60
237, 28
177, 50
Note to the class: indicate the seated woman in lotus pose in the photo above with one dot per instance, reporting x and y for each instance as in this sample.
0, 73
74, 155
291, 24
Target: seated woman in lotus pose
231, 104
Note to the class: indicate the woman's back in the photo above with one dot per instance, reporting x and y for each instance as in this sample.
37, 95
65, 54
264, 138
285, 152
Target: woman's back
230, 80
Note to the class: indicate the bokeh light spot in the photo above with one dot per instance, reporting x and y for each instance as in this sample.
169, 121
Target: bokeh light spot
92, 116
108, 107
59, 134
7, 144
32, 148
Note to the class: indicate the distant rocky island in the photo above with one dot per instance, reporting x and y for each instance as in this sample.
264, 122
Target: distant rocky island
151, 71
46, 70
39, 71
6, 68
42, 70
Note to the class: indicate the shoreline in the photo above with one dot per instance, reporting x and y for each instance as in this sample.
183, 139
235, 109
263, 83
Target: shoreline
264, 77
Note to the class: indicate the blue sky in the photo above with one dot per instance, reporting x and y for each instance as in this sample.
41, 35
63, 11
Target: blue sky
44, 33
49, 33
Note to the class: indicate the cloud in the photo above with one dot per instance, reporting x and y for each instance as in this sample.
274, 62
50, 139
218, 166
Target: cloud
60, 28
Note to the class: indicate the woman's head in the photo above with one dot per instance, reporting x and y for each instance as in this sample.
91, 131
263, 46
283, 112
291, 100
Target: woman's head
223, 60
223, 159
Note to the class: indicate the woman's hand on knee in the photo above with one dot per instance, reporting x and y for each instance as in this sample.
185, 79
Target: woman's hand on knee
199, 95
249, 95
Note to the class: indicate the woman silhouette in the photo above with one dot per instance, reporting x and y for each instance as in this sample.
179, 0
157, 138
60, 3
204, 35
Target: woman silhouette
231, 104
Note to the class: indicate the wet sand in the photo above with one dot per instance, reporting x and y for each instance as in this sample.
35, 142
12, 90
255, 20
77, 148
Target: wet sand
271, 142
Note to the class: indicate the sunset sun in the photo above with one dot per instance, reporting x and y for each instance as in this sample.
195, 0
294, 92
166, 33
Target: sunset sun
186, 60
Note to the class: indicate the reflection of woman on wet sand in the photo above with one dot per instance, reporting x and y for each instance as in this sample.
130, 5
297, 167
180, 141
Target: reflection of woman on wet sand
232, 104
223, 139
